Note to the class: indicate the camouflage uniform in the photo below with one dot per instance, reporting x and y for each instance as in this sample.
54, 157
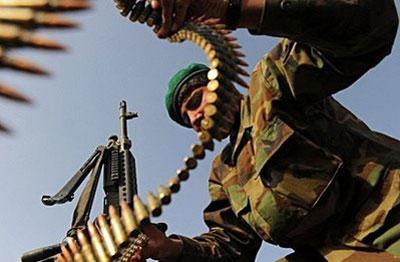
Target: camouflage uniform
302, 171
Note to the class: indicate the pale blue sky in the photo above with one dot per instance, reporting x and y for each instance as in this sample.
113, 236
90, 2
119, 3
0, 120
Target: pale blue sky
110, 59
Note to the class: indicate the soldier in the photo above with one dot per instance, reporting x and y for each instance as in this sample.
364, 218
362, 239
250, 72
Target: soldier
299, 170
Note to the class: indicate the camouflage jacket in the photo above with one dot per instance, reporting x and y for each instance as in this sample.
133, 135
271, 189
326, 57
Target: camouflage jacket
304, 172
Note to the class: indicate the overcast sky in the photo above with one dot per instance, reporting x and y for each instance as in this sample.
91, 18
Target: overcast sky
110, 59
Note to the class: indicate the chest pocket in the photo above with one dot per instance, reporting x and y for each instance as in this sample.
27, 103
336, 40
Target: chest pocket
296, 174
298, 168
289, 176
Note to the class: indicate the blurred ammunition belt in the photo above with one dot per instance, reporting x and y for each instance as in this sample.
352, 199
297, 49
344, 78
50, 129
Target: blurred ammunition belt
113, 239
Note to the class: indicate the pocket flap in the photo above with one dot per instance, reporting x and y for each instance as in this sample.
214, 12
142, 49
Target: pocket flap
238, 198
269, 140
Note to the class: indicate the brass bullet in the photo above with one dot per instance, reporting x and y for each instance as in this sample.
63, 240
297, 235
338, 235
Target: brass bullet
116, 226
239, 54
213, 74
224, 108
53, 5
141, 211
108, 239
230, 38
60, 258
12, 94
222, 86
216, 128
223, 100
31, 18
154, 204
137, 10
66, 254
223, 120
86, 248
207, 124
164, 194
190, 162
224, 31
183, 174
174, 184
12, 35
52, 20
40, 42
22, 65
210, 110
235, 45
227, 66
128, 219
77, 256
206, 140
204, 137
198, 151
97, 244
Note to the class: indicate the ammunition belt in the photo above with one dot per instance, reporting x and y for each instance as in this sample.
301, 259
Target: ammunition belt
113, 239
18, 21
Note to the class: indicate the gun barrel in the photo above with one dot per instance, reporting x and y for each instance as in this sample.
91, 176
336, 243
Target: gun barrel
122, 120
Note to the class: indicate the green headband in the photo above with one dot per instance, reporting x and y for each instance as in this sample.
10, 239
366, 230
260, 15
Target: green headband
175, 87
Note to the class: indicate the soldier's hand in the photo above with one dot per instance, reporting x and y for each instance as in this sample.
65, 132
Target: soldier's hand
176, 12
159, 246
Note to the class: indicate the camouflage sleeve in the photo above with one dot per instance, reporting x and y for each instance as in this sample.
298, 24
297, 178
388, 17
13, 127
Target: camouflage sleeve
340, 28
329, 44
228, 239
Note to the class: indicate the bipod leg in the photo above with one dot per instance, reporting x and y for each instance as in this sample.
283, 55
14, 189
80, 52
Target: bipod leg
83, 207
67, 191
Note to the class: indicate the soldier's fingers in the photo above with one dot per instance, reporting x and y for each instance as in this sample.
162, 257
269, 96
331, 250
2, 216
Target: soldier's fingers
180, 8
136, 257
155, 4
167, 10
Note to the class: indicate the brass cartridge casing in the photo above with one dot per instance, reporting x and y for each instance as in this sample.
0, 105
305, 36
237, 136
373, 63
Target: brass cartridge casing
206, 139
154, 204
78, 257
47, 4
86, 248
117, 228
216, 129
12, 94
11, 35
60, 258
154, 18
141, 211
190, 162
145, 14
183, 174
108, 239
198, 151
223, 107
128, 219
66, 254
207, 124
224, 120
164, 194
29, 17
97, 244
174, 184
137, 10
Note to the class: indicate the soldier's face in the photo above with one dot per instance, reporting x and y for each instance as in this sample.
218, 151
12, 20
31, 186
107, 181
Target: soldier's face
193, 107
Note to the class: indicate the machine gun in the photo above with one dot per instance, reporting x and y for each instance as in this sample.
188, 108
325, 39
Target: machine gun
119, 184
